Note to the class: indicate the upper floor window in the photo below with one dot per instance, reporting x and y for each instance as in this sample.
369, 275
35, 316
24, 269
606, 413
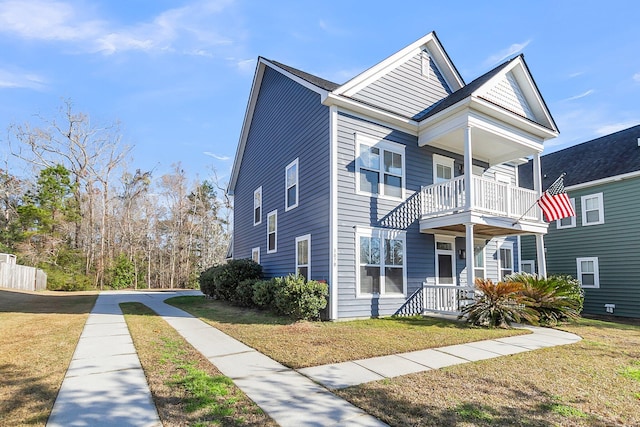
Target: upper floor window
272, 232
257, 206
442, 168
303, 256
291, 192
569, 221
380, 167
592, 209
588, 272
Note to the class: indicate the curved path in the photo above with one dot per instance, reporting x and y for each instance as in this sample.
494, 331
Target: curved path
105, 384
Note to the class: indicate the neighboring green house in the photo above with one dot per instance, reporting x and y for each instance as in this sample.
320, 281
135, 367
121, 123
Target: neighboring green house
601, 244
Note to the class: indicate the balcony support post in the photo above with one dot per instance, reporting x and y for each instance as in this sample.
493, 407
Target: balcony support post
469, 255
537, 186
468, 178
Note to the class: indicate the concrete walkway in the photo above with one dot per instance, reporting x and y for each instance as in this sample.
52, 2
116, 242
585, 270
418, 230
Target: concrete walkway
105, 384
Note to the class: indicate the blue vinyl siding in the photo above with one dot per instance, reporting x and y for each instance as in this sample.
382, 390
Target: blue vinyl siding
289, 122
405, 90
362, 210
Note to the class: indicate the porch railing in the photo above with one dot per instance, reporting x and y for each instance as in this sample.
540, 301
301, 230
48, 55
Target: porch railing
493, 197
446, 299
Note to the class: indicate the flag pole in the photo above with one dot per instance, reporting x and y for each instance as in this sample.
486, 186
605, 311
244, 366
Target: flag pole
536, 202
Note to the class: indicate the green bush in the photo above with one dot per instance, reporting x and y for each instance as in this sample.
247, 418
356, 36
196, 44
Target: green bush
205, 280
555, 298
228, 276
499, 305
244, 293
60, 280
263, 293
299, 299
122, 273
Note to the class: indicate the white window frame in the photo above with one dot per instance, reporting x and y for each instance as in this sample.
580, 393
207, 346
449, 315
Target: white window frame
287, 186
443, 161
299, 239
572, 218
382, 145
479, 242
531, 263
255, 254
505, 245
382, 234
255, 206
600, 199
596, 271
452, 252
273, 214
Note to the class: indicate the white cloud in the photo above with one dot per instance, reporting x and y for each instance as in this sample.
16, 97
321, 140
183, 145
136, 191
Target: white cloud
506, 53
576, 74
186, 30
20, 79
636, 77
582, 95
608, 128
216, 156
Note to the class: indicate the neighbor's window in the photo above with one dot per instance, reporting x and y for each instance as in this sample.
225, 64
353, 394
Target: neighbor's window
255, 254
257, 206
588, 274
303, 256
291, 193
570, 221
380, 167
272, 231
592, 209
505, 265
382, 267
478, 259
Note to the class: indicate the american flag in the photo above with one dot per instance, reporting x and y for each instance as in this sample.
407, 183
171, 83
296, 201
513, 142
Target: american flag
555, 202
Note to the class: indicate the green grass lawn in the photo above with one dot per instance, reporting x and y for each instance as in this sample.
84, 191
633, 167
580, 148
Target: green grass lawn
304, 344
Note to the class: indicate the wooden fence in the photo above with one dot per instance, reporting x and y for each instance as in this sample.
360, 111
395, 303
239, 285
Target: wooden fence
14, 276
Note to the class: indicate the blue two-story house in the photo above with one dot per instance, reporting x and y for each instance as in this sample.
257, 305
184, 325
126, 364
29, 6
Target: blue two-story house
398, 187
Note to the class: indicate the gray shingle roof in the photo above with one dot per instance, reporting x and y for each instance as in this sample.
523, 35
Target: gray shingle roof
607, 156
318, 81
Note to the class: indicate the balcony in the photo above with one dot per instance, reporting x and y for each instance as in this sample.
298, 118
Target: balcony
496, 208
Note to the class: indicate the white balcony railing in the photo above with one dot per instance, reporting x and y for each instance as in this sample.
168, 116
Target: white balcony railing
446, 299
493, 197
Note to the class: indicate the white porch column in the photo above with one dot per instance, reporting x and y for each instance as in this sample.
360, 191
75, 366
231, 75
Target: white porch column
468, 160
469, 256
537, 186
542, 259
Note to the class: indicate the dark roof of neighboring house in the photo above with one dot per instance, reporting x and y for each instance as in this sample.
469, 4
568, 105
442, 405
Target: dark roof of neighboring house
318, 81
463, 93
607, 156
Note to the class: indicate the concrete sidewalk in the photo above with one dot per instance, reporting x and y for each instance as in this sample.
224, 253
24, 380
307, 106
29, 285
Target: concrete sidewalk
105, 384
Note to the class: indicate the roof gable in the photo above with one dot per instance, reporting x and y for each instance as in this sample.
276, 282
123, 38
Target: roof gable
508, 86
428, 43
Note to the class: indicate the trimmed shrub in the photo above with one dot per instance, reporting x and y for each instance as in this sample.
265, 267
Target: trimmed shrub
555, 298
499, 305
122, 273
299, 299
244, 293
263, 293
206, 281
228, 276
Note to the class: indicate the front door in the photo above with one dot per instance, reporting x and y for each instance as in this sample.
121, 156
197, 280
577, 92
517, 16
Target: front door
445, 266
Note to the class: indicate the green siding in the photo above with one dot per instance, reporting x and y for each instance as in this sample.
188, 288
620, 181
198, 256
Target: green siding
616, 243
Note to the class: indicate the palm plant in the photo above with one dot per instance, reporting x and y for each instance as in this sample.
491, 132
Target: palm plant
555, 298
499, 305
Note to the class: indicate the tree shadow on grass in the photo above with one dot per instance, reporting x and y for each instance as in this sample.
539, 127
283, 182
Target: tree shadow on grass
63, 303
526, 407
30, 400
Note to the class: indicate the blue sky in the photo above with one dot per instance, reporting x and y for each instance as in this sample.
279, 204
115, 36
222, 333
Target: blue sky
177, 74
